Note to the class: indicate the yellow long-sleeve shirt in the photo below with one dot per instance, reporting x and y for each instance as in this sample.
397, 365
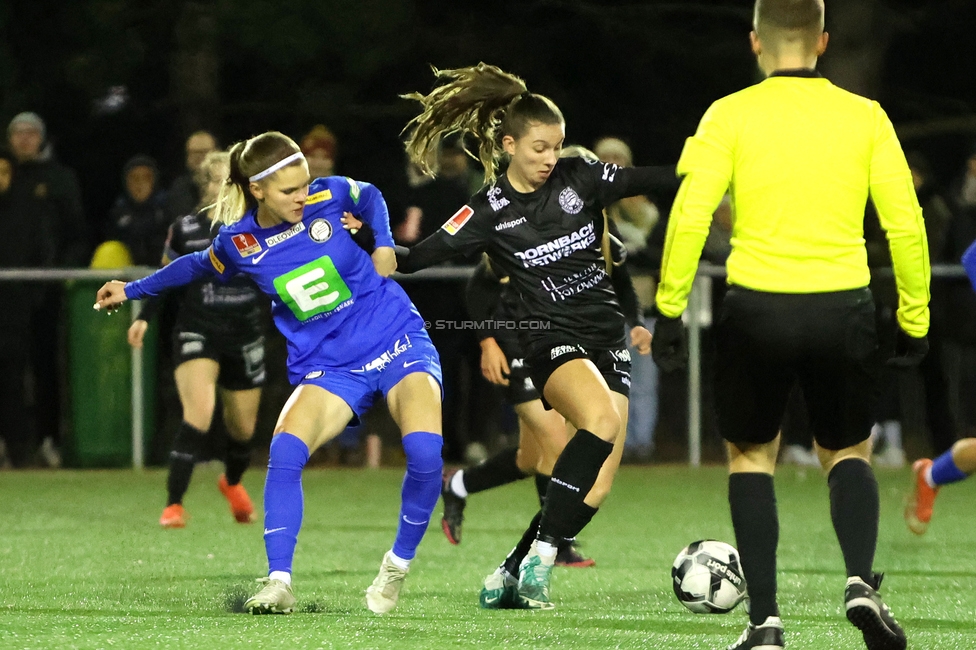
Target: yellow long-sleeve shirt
799, 157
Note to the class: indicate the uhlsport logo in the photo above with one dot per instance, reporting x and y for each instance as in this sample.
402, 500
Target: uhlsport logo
313, 289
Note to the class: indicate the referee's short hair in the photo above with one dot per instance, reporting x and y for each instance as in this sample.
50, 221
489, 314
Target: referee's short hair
780, 22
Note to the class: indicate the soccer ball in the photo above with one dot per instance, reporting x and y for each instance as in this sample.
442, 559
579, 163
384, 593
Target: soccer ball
707, 577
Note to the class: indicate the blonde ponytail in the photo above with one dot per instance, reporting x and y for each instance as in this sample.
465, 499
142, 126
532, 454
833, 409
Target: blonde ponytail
231, 203
247, 158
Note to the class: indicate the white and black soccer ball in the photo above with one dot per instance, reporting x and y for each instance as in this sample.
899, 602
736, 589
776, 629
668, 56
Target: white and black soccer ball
707, 577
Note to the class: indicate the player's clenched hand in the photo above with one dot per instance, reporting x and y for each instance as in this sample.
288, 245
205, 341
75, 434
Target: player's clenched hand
640, 338
670, 345
909, 351
494, 365
110, 296
137, 332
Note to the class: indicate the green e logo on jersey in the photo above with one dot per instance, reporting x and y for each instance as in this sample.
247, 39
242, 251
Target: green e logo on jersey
312, 289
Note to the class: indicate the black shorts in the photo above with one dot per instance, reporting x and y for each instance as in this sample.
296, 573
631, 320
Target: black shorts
613, 365
241, 357
766, 342
521, 388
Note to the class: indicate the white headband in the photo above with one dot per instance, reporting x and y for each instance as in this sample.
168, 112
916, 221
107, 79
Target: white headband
278, 165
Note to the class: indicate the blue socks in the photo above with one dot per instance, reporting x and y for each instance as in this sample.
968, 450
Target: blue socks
421, 489
283, 500
945, 471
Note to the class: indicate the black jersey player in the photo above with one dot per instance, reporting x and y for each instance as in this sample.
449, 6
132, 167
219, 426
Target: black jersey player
541, 223
543, 433
218, 341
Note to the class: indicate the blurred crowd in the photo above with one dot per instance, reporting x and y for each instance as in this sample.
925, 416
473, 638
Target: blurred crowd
47, 227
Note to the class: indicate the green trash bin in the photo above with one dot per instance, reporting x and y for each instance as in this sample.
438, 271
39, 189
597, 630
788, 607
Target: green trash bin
100, 381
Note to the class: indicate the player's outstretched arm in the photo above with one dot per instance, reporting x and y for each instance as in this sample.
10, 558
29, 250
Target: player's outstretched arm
181, 272
433, 250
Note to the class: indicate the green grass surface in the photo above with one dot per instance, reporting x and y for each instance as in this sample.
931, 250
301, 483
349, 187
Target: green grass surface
83, 564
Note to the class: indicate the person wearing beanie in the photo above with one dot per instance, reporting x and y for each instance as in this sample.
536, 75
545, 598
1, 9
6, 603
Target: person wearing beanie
45, 194
138, 218
28, 248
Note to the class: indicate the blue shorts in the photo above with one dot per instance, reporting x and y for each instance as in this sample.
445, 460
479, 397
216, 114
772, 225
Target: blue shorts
408, 353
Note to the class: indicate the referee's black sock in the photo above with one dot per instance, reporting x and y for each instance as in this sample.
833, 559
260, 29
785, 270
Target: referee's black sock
854, 508
573, 477
186, 448
752, 501
238, 459
500, 469
514, 559
541, 487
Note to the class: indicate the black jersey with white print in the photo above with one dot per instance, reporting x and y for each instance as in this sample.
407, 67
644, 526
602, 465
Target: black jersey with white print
548, 242
235, 303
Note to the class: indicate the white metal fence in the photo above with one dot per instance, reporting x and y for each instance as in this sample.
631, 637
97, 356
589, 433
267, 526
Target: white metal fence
697, 316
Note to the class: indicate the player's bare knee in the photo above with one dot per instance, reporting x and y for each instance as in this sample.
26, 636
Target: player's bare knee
605, 424
239, 430
199, 416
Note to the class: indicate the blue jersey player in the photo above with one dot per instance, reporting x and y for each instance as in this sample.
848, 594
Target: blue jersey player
351, 332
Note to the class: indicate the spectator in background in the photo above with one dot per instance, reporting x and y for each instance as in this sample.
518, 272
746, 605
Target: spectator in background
897, 387
957, 305
27, 246
138, 218
49, 193
319, 146
635, 218
184, 195
964, 189
938, 217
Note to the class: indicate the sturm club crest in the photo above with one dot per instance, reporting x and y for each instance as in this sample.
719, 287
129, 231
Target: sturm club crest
570, 201
320, 231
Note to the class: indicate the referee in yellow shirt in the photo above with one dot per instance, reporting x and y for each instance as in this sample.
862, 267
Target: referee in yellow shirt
800, 157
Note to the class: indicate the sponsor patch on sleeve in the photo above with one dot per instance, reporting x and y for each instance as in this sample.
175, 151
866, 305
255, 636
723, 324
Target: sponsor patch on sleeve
246, 244
318, 197
353, 191
457, 222
217, 264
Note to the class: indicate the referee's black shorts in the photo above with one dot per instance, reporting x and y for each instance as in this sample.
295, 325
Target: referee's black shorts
768, 341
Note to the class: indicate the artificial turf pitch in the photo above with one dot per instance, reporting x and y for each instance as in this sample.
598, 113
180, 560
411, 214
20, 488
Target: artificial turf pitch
84, 564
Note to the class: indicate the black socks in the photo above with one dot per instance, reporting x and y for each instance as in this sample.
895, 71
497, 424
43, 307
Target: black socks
541, 487
573, 477
752, 501
186, 448
238, 459
500, 469
854, 507
514, 559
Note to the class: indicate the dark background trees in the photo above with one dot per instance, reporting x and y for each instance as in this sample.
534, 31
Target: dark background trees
117, 77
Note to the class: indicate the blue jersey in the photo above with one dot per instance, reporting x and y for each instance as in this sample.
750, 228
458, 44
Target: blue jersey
327, 299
